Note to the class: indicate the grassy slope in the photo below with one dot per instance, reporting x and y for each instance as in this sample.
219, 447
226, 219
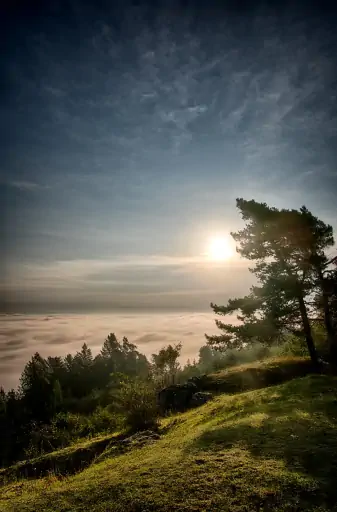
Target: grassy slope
66, 460
76, 457
269, 449
258, 374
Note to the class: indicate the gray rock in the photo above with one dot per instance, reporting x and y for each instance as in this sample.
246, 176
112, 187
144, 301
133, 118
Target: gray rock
176, 397
200, 398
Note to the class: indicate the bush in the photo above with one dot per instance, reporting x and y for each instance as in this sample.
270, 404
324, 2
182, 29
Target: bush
320, 339
77, 425
293, 346
62, 431
102, 420
45, 439
84, 405
137, 401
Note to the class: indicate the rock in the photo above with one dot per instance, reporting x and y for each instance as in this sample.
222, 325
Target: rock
140, 438
200, 398
176, 397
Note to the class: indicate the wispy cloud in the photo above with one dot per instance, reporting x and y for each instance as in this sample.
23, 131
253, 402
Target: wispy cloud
28, 186
55, 91
166, 89
62, 272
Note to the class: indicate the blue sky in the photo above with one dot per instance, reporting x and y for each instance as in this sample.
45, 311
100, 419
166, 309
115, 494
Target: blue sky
128, 132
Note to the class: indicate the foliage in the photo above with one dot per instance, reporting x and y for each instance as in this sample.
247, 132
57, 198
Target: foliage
120, 357
165, 365
76, 386
137, 401
67, 428
188, 371
295, 345
326, 304
39, 394
69, 416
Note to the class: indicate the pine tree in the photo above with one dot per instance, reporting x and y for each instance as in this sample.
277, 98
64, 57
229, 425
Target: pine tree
288, 249
36, 386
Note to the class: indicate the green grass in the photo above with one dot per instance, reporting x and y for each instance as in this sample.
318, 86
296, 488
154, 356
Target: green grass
69, 459
267, 449
259, 374
236, 379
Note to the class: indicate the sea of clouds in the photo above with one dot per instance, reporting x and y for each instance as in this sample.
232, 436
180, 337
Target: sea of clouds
51, 335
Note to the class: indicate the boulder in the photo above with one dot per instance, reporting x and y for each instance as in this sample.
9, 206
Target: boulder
200, 398
176, 397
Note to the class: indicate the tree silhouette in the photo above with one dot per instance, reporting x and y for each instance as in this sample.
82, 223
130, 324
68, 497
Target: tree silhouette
36, 386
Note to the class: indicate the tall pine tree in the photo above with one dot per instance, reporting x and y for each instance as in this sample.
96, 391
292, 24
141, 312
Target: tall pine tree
288, 248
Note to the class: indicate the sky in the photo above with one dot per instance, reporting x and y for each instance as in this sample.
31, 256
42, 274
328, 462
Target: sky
130, 128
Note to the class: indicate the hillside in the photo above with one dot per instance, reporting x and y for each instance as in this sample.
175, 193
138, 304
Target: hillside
267, 449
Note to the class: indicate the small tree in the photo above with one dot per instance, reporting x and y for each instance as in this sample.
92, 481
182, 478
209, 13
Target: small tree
36, 386
119, 357
191, 369
82, 372
138, 403
165, 364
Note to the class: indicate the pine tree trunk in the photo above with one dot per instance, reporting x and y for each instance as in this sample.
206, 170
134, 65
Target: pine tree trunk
307, 332
305, 320
332, 339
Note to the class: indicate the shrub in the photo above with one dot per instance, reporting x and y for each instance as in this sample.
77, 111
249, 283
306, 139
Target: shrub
85, 405
293, 346
45, 439
137, 401
77, 425
102, 420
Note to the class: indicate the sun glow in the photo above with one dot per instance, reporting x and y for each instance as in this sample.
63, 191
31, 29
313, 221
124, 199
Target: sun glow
220, 249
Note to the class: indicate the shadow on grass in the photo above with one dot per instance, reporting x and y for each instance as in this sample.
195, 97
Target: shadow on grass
297, 424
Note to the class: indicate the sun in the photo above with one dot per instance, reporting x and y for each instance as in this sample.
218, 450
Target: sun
220, 249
